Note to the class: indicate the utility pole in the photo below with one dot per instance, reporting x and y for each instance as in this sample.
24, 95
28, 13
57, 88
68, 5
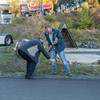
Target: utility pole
41, 7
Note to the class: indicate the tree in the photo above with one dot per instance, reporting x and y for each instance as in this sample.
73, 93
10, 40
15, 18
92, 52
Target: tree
85, 20
99, 1
93, 3
15, 5
28, 1
68, 4
96, 3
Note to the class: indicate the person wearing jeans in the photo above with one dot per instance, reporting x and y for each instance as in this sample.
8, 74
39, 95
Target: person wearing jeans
57, 46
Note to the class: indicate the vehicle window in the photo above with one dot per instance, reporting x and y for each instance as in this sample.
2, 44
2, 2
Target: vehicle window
6, 12
24, 6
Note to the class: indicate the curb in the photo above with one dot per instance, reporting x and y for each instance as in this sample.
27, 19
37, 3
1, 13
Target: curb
81, 77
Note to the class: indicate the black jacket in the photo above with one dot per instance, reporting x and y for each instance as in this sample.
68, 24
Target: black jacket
33, 48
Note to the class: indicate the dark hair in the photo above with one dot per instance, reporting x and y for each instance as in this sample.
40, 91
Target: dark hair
47, 26
41, 38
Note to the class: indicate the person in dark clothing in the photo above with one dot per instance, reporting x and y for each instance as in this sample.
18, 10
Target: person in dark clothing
56, 43
30, 51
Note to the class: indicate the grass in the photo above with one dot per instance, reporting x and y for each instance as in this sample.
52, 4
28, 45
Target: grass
11, 63
85, 69
89, 77
84, 35
81, 69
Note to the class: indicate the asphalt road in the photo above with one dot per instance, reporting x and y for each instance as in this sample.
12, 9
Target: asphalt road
49, 89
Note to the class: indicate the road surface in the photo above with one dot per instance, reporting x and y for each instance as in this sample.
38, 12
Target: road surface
49, 89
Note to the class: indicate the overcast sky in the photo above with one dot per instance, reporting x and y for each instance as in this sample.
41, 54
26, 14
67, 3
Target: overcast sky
2, 1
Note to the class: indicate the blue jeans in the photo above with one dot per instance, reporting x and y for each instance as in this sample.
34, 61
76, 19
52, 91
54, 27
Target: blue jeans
30, 67
63, 58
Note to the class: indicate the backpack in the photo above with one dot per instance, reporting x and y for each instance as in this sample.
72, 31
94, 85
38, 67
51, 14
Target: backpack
18, 44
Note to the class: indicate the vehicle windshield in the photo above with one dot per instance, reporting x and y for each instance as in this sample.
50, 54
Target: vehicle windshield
24, 6
6, 11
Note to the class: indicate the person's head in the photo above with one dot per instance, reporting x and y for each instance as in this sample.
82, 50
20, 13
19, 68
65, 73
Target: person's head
48, 29
41, 39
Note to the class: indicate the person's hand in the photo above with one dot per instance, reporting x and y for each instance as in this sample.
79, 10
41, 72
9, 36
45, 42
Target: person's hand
50, 46
52, 60
54, 43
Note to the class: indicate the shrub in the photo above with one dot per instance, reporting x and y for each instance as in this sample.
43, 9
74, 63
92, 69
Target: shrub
55, 25
92, 11
70, 23
49, 18
98, 26
85, 35
15, 12
85, 20
21, 19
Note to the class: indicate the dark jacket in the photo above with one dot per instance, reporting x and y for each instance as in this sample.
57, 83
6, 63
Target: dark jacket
60, 46
33, 48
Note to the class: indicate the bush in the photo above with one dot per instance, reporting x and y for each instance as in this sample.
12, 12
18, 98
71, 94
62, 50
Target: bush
21, 20
85, 35
49, 18
92, 11
98, 26
85, 20
70, 23
55, 25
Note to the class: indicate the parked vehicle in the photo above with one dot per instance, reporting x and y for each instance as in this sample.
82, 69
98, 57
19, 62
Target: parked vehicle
6, 39
29, 10
5, 14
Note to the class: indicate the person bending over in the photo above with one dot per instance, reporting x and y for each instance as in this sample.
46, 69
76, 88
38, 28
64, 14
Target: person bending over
30, 51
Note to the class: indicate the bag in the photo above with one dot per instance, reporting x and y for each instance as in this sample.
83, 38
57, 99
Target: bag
18, 44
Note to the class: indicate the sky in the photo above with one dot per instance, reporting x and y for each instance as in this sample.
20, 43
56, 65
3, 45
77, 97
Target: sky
2, 1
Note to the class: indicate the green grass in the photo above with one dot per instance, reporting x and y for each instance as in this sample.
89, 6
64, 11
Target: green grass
85, 69
90, 77
11, 63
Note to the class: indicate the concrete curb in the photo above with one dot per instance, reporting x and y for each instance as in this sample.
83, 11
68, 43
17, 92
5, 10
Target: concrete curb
81, 77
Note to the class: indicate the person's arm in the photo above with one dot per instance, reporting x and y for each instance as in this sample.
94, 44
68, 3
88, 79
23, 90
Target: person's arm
44, 52
59, 37
52, 60
49, 42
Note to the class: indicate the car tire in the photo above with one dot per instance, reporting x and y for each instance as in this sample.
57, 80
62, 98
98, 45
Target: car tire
46, 12
27, 15
8, 40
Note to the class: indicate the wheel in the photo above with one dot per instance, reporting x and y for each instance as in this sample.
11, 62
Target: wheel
8, 40
46, 12
27, 15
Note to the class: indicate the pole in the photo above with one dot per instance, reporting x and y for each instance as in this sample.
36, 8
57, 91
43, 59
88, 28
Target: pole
42, 8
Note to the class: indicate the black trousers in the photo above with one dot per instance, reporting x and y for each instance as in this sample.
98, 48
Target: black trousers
30, 67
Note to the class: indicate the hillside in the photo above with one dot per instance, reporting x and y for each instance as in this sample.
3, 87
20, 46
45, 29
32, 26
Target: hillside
33, 27
22, 27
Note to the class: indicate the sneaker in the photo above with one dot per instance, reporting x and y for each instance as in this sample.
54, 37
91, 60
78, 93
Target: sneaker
52, 73
70, 75
29, 77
